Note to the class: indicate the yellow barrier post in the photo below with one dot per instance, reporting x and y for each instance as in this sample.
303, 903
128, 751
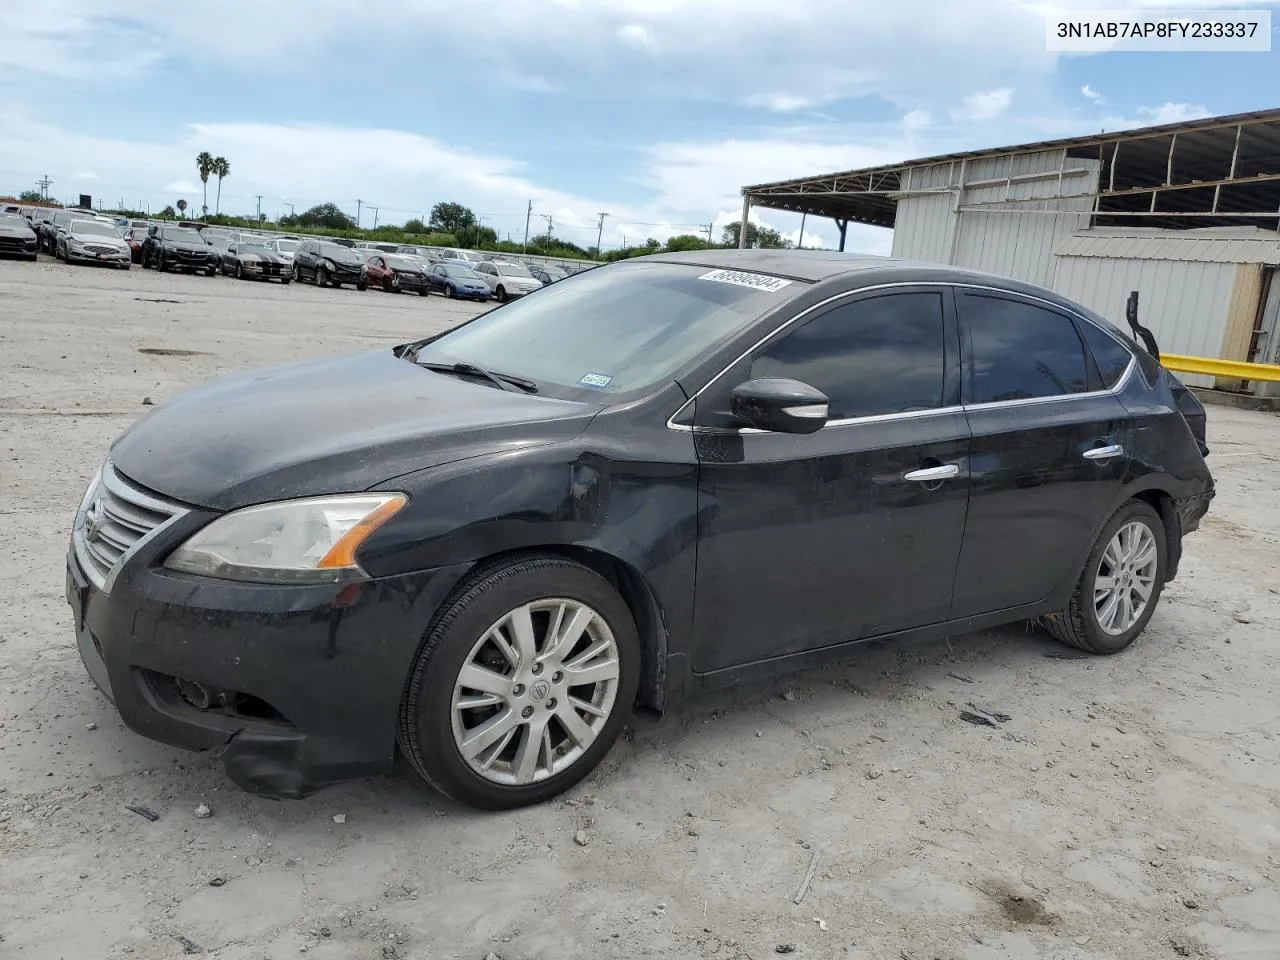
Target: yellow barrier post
1212, 367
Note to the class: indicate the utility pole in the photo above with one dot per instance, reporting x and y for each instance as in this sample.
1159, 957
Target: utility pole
527, 214
710, 228
802, 219
259, 208
359, 204
547, 217
44, 185
600, 232
375, 217
290, 206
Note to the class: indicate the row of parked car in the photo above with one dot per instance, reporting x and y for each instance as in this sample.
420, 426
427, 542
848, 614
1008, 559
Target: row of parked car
84, 235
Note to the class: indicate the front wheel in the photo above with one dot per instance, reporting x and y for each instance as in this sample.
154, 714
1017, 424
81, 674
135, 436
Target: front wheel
239, 272
297, 274
522, 685
359, 286
424, 292
502, 294
453, 293
1121, 584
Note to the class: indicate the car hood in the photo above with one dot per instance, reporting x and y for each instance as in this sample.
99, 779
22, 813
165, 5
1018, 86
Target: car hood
118, 242
188, 245
16, 230
329, 425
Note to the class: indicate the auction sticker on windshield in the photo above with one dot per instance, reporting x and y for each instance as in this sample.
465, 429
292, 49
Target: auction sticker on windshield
596, 380
755, 280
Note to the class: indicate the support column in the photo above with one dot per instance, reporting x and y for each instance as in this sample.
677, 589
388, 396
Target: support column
742, 227
842, 226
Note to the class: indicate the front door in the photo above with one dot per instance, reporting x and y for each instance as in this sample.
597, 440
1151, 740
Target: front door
850, 532
1051, 450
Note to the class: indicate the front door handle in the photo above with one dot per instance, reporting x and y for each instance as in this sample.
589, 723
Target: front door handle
1104, 453
932, 474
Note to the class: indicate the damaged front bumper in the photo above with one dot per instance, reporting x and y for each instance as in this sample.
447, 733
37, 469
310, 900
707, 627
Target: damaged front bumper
297, 687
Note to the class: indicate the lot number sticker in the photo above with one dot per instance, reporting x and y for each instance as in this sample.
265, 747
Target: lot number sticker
596, 380
754, 280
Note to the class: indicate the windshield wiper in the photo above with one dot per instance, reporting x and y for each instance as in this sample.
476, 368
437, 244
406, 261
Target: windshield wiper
504, 381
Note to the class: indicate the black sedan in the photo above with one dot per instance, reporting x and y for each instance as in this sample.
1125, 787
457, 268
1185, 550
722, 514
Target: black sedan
17, 239
246, 260
668, 474
329, 264
180, 249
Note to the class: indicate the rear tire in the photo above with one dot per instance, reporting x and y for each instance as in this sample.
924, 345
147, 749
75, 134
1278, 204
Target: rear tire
359, 286
502, 294
1130, 556
424, 292
532, 691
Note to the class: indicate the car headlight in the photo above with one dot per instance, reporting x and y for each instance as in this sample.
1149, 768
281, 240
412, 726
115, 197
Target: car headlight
294, 541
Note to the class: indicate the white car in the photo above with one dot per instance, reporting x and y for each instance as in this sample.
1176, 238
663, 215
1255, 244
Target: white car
507, 280
283, 247
96, 241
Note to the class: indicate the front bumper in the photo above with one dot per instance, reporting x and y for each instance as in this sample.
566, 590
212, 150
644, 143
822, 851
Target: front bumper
304, 682
116, 257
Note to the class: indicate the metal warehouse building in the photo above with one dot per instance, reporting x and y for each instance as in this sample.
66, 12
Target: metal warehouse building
1187, 214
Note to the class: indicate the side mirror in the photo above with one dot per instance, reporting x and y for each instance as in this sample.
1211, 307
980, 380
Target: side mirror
231, 249
779, 405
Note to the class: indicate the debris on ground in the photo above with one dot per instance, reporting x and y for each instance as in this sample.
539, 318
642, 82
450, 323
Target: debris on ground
203, 812
785, 948
1190, 904
1066, 655
91, 725
983, 716
148, 402
789, 696
581, 838
187, 946
339, 818
961, 678
808, 878
143, 812
218, 881
822, 924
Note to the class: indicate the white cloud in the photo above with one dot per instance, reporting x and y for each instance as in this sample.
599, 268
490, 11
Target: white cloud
635, 35
1155, 116
1091, 94
182, 186
916, 120
987, 105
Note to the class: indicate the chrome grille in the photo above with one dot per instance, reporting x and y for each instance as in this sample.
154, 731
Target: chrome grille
117, 517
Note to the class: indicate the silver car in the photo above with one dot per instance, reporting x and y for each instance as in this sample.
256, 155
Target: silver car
94, 241
507, 280
283, 247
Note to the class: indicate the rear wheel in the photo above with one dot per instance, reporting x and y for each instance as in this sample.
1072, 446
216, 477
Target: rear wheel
297, 274
388, 286
522, 685
1121, 584
424, 292
359, 286
239, 271
502, 294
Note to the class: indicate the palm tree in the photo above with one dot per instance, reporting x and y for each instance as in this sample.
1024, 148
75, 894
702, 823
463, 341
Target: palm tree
182, 207
204, 164
221, 168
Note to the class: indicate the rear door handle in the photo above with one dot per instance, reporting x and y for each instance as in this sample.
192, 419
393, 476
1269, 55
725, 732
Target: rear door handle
1104, 453
931, 474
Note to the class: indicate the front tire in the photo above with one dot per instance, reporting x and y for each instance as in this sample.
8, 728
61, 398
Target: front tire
502, 294
359, 286
1121, 584
522, 685
239, 272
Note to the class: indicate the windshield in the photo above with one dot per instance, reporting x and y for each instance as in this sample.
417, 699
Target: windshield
183, 233
461, 273
400, 263
95, 228
10, 220
221, 243
615, 330
286, 246
257, 248
513, 270
336, 251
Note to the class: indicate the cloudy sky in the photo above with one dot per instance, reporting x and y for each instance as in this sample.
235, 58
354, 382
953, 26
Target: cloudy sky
654, 111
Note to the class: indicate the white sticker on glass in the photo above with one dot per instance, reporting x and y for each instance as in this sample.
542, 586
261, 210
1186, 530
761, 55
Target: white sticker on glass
756, 281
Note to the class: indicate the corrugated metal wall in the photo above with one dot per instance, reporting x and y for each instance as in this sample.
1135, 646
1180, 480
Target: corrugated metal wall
1185, 304
1017, 242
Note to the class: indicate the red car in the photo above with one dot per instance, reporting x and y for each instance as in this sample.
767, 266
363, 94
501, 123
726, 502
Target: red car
394, 273
135, 235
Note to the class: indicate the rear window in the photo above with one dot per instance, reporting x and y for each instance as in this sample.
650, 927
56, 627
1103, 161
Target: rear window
618, 329
1109, 354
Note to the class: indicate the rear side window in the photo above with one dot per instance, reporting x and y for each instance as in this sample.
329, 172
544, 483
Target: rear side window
871, 357
1020, 351
1108, 353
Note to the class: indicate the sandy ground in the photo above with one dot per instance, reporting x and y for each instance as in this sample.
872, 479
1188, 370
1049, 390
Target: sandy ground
1130, 808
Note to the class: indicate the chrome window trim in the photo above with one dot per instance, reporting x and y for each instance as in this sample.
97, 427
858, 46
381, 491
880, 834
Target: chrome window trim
911, 414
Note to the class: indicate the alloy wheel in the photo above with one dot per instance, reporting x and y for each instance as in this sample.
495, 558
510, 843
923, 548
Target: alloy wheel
535, 691
1126, 578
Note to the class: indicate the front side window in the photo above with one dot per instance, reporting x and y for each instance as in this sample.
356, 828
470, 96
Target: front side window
615, 330
1021, 351
871, 357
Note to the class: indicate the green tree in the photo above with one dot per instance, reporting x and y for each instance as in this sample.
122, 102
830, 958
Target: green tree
167, 213
30, 196
686, 241
469, 238
221, 168
451, 217
757, 237
204, 166
326, 215
414, 226
182, 207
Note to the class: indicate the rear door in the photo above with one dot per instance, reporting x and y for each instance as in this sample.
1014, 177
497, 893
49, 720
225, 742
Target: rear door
1050, 451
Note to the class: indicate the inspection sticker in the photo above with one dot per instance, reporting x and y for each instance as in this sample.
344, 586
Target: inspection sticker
757, 281
596, 380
